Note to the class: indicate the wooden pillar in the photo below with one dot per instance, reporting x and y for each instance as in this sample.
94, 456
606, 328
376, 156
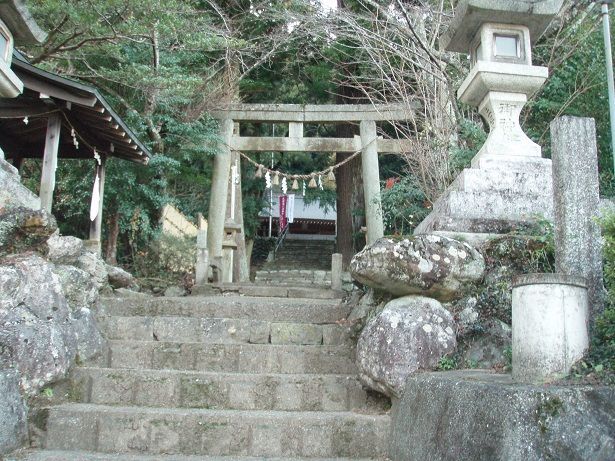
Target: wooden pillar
50, 161
96, 225
371, 181
219, 192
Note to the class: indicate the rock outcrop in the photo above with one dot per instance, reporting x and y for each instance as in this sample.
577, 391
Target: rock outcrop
426, 265
118, 277
49, 287
23, 229
13, 424
37, 324
410, 334
482, 416
64, 249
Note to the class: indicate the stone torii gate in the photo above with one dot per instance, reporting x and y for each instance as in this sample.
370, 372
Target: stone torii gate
220, 226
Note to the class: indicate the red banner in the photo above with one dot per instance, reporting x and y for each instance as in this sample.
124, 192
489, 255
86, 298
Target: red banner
283, 218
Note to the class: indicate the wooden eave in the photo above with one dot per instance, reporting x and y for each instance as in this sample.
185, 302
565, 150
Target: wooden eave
82, 108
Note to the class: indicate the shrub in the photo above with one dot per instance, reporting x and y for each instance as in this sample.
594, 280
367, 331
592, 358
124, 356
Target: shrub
602, 354
168, 258
403, 206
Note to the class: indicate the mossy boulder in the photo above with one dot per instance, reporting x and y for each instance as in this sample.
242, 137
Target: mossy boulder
426, 265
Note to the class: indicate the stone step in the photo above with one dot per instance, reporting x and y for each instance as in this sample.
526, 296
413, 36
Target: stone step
230, 358
238, 307
61, 455
222, 330
297, 280
217, 391
322, 274
291, 281
298, 294
108, 429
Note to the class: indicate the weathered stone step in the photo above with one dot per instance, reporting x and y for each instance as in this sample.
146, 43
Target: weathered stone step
222, 330
215, 432
61, 455
283, 282
297, 293
238, 307
228, 391
230, 358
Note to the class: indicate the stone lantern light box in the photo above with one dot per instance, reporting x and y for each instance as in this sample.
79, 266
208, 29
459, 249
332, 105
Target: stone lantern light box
498, 34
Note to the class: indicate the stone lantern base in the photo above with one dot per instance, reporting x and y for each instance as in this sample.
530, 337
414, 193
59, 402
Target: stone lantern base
495, 196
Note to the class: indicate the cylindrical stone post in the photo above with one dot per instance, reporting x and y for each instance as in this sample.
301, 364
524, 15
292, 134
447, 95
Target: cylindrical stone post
336, 271
578, 249
202, 255
219, 191
371, 181
549, 326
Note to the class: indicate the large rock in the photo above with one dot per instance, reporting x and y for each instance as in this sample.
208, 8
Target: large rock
23, 229
32, 283
95, 266
36, 333
481, 416
41, 351
90, 342
410, 334
13, 422
12, 192
64, 250
80, 289
118, 277
427, 265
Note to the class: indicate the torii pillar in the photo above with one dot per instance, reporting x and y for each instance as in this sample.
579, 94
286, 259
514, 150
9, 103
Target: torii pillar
371, 181
218, 197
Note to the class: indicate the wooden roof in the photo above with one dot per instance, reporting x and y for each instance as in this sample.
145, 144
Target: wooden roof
83, 110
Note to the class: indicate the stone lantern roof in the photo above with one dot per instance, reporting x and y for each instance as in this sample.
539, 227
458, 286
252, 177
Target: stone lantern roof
471, 14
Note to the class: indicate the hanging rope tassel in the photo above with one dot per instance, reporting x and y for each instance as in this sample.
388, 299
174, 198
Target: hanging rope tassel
295, 185
276, 179
331, 175
259, 172
312, 183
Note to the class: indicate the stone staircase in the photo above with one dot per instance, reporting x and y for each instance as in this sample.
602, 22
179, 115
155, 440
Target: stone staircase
296, 278
215, 378
303, 254
305, 263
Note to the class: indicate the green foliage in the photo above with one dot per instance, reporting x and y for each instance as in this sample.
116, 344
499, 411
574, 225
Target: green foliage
508, 357
547, 410
47, 392
167, 259
576, 86
472, 136
447, 363
602, 353
403, 206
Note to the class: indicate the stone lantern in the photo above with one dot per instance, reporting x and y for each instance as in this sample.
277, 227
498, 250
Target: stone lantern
498, 34
509, 184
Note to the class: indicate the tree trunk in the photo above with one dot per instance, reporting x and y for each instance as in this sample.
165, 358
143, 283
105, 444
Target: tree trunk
349, 178
350, 202
112, 236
